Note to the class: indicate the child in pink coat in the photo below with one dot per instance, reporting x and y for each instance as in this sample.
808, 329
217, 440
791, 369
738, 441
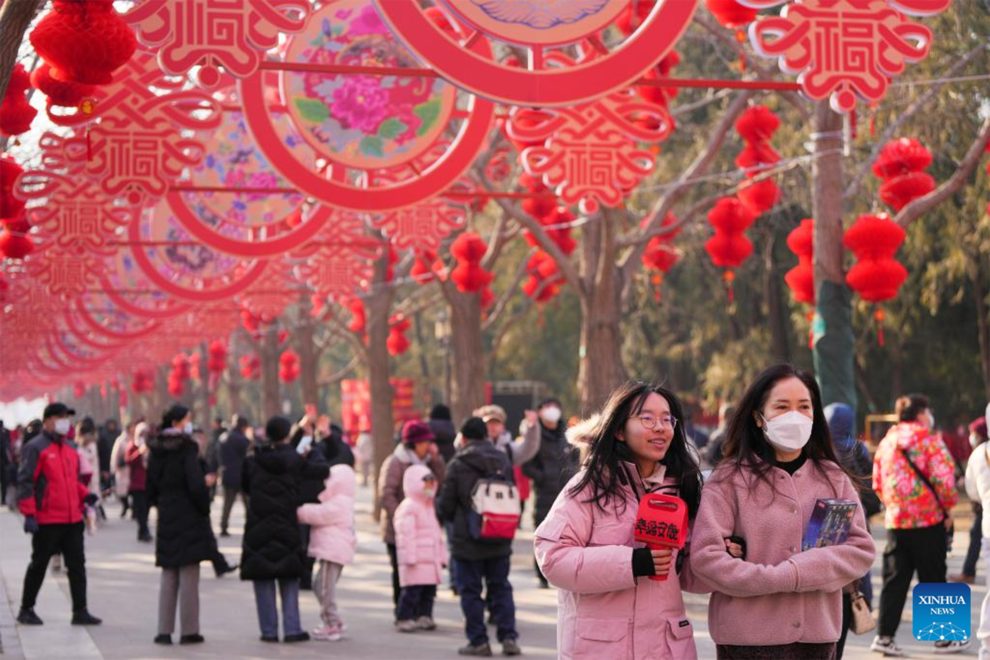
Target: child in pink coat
422, 553
607, 605
332, 542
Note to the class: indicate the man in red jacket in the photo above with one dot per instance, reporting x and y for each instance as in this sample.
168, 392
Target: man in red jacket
51, 497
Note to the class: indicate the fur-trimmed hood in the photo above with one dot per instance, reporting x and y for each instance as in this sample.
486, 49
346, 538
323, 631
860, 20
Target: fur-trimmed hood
581, 434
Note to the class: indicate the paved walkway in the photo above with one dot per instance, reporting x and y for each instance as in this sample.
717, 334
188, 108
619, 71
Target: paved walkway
123, 590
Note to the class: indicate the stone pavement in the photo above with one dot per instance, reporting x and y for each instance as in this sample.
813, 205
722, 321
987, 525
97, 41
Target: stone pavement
123, 590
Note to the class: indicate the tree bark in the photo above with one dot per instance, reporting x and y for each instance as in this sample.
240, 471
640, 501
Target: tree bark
378, 306
270, 404
15, 18
834, 343
304, 337
780, 326
204, 385
600, 367
982, 325
468, 373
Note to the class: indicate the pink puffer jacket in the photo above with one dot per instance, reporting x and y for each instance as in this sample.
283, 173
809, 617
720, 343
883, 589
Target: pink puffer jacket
603, 611
331, 534
418, 539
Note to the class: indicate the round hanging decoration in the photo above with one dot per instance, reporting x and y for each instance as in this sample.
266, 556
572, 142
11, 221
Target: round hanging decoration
731, 13
250, 367
463, 55
660, 254
207, 35
59, 92
877, 39
877, 275
543, 280
10, 205
801, 278
288, 366
469, 276
900, 165
143, 381
591, 153
14, 241
84, 42
756, 126
729, 247
376, 135
16, 112
183, 268
397, 343
358, 322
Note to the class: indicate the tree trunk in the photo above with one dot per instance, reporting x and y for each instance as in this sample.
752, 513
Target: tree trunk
834, 347
600, 368
15, 18
780, 326
982, 326
424, 364
204, 385
309, 356
378, 305
468, 387
270, 404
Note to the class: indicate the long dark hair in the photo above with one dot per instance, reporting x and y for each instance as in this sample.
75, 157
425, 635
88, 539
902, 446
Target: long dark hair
174, 414
746, 446
603, 472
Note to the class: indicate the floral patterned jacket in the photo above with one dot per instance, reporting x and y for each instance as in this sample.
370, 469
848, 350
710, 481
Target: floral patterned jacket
908, 502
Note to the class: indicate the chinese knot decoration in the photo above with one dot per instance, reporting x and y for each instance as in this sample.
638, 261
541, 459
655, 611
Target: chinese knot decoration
901, 165
756, 126
729, 247
877, 275
844, 49
660, 255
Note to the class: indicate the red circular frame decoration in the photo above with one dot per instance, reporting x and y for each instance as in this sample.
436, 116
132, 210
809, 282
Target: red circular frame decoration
469, 69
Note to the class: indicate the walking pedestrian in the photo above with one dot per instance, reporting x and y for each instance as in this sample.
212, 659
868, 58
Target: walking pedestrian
913, 474
272, 556
585, 546
978, 489
422, 553
417, 448
778, 462
556, 461
481, 562
977, 436
176, 486
121, 471
332, 542
51, 498
233, 450
136, 456
443, 430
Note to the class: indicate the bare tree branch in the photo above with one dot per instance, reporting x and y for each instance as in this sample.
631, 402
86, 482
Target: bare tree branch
920, 206
15, 18
506, 296
701, 163
340, 374
856, 182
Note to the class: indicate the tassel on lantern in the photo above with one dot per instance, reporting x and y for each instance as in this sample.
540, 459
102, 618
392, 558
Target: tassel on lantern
878, 317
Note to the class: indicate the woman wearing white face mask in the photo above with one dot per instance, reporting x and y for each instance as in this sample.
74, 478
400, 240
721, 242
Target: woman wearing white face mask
777, 601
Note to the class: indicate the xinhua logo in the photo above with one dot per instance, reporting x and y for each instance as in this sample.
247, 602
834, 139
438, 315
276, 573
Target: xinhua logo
941, 612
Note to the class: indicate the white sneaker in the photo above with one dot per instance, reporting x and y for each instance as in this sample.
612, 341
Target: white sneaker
951, 646
887, 646
326, 634
426, 623
407, 626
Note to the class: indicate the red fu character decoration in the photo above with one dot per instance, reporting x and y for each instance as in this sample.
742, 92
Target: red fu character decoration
662, 522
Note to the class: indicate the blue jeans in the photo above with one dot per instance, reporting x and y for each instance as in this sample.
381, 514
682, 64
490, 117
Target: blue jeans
495, 573
416, 601
264, 598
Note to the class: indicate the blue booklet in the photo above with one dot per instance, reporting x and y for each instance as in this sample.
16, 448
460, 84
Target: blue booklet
830, 523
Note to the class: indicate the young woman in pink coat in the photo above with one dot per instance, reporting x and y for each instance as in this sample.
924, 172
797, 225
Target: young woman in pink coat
421, 551
607, 605
332, 542
776, 601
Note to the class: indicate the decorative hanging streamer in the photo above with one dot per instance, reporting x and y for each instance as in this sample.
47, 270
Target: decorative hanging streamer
729, 247
877, 275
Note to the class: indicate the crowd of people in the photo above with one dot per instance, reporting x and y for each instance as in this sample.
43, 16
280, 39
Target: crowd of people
450, 497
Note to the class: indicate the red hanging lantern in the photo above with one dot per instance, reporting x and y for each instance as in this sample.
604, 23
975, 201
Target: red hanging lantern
759, 196
730, 216
356, 307
14, 242
900, 191
16, 112
10, 206
731, 13
250, 367
216, 356
397, 343
801, 278
729, 247
469, 249
422, 268
84, 42
288, 366
59, 92
757, 124
877, 275
629, 20
900, 165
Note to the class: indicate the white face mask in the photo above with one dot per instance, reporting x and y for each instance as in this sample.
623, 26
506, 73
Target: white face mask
187, 428
62, 426
974, 440
788, 432
550, 415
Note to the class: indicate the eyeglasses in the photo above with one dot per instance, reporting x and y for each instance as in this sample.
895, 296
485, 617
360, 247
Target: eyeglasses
429, 478
654, 423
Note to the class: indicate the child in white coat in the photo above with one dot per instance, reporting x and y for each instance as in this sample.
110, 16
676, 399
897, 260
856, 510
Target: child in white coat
332, 542
421, 551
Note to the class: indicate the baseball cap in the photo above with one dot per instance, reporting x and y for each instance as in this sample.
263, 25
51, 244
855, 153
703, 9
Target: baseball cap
57, 409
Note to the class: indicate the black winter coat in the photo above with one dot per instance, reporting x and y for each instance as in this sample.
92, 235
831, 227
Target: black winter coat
233, 451
272, 548
551, 468
177, 486
444, 434
477, 460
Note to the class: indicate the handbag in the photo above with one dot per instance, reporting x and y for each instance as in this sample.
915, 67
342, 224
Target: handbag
950, 532
862, 618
